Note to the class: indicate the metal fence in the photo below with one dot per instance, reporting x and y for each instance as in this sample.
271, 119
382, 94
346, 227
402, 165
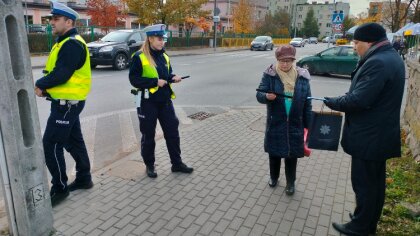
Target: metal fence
41, 39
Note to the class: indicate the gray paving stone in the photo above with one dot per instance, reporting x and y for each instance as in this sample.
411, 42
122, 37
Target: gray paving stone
207, 228
257, 230
243, 231
226, 195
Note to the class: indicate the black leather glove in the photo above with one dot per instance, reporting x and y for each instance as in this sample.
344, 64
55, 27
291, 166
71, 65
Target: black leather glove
331, 103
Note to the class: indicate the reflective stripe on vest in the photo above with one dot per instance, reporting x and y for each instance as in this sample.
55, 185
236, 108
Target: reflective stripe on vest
78, 86
150, 71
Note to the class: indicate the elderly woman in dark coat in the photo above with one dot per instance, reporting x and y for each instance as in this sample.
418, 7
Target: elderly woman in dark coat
285, 88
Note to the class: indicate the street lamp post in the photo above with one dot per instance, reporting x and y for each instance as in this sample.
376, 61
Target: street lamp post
215, 25
332, 28
26, 16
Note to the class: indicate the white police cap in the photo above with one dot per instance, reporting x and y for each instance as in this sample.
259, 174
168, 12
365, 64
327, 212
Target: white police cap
155, 30
63, 10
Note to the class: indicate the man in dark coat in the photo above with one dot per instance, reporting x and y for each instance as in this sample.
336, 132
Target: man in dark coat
371, 132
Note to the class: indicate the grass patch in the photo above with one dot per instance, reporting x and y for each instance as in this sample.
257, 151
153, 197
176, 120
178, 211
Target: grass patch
403, 185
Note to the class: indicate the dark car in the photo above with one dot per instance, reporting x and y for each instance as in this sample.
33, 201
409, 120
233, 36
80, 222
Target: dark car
262, 43
36, 29
116, 48
336, 60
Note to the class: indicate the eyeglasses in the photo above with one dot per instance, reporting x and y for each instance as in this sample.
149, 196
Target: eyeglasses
286, 62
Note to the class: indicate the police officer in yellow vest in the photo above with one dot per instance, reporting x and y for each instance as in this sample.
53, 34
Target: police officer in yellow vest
151, 73
66, 82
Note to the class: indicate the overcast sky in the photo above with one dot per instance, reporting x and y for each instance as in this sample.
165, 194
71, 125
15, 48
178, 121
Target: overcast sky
356, 6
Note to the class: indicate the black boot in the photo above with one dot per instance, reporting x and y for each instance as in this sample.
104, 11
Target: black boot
272, 182
290, 189
150, 170
290, 167
182, 168
80, 185
58, 196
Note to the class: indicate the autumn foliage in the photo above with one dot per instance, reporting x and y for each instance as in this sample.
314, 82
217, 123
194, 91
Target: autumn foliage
105, 13
204, 24
242, 21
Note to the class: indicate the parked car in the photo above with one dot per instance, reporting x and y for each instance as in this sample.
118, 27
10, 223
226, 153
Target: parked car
297, 42
36, 29
116, 48
313, 40
262, 43
336, 60
327, 39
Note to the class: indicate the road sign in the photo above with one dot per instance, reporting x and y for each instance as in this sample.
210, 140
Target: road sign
337, 18
216, 18
338, 27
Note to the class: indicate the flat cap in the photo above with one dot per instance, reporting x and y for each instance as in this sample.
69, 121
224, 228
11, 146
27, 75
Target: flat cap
155, 30
63, 10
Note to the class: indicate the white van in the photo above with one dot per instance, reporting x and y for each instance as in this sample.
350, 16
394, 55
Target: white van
335, 37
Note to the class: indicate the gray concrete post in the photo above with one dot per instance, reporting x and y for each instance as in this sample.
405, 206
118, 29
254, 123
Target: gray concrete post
24, 176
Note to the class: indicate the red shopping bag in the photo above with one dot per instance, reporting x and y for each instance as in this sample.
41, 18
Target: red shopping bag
306, 150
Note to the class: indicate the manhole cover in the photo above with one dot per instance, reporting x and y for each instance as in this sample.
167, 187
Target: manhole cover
201, 115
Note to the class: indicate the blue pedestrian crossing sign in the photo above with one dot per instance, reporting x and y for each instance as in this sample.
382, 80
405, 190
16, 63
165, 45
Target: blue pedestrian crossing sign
337, 18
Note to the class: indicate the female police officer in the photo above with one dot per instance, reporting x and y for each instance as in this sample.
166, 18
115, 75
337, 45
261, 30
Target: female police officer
151, 73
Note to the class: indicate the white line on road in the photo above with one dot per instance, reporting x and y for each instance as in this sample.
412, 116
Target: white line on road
128, 137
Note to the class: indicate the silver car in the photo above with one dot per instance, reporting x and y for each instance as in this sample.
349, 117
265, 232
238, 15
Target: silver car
297, 42
262, 43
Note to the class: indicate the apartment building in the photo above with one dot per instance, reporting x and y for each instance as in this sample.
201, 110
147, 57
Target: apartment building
298, 9
224, 10
37, 11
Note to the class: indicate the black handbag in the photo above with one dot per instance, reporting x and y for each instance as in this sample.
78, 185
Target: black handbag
325, 130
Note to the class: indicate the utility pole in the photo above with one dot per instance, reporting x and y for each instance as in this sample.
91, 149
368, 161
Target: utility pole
332, 28
215, 20
26, 16
22, 160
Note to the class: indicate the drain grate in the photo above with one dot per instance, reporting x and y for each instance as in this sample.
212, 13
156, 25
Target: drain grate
201, 115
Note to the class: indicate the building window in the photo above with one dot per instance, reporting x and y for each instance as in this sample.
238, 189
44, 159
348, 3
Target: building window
286, 8
328, 25
300, 16
320, 24
30, 19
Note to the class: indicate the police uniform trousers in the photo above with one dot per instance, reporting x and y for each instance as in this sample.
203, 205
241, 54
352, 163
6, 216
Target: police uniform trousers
290, 168
368, 182
149, 112
63, 131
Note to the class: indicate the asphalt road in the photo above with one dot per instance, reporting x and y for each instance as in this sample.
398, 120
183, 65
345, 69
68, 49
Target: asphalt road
218, 82
222, 79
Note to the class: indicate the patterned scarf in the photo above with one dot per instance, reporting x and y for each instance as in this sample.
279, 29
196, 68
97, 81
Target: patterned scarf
288, 78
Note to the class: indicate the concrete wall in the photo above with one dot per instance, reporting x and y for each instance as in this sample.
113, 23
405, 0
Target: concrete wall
412, 108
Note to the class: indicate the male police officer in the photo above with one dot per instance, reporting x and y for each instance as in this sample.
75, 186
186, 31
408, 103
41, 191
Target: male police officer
66, 82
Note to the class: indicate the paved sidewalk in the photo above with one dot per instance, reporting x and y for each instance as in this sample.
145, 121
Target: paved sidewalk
227, 194
39, 61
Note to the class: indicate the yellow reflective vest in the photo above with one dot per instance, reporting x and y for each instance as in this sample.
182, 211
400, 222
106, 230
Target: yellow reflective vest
150, 71
78, 86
